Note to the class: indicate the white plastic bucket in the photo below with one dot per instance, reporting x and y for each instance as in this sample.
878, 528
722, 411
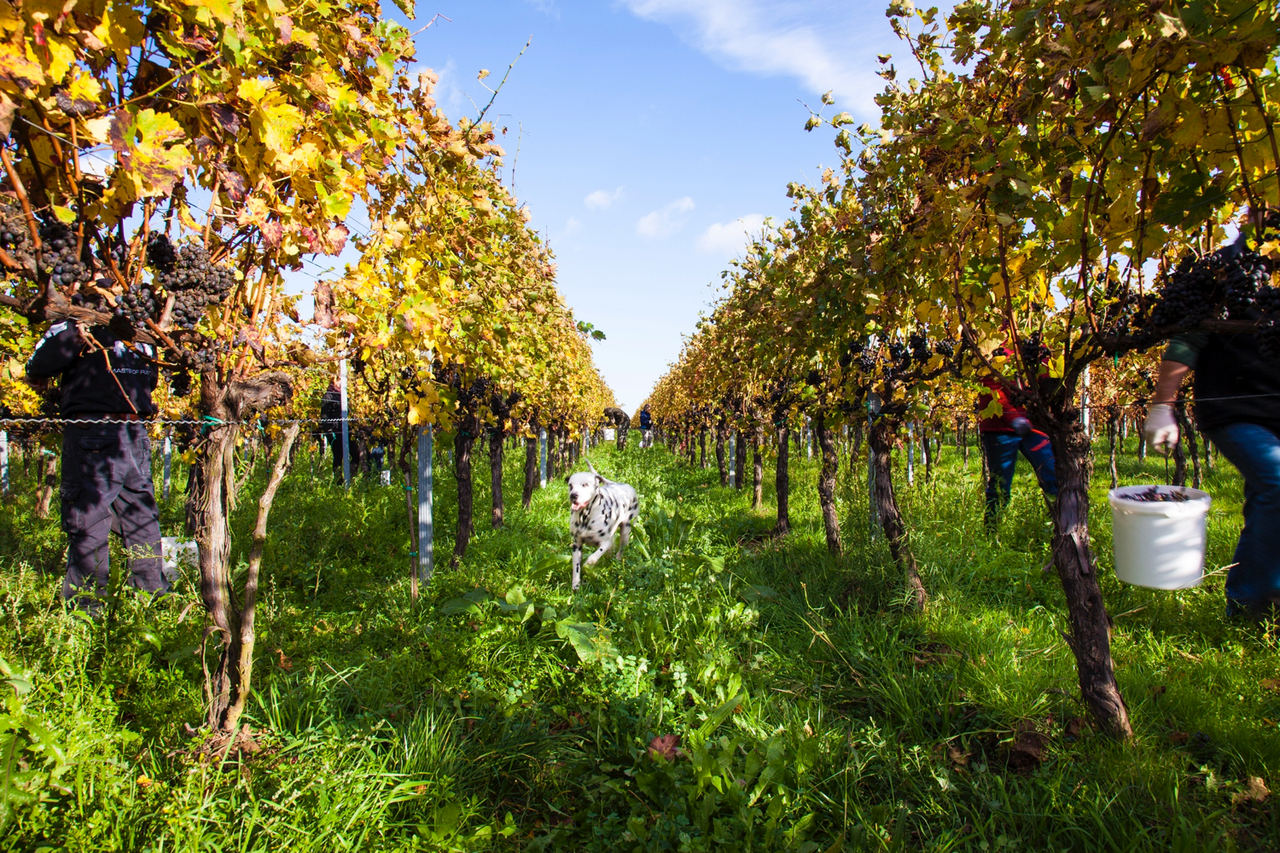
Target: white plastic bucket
1159, 544
609, 434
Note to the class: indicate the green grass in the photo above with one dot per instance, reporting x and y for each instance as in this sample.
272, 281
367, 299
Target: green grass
501, 712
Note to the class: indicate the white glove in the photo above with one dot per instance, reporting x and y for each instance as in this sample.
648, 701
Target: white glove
1161, 427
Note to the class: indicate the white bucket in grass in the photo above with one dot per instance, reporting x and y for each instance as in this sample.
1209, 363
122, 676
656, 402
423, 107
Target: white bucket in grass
609, 434
1159, 544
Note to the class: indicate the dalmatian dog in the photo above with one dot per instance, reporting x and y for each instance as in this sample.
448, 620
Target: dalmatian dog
599, 510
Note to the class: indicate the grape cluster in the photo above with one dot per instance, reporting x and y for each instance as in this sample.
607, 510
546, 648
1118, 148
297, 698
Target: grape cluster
14, 237
179, 382
161, 256
946, 349
1033, 350
1198, 288
919, 344
59, 259
207, 355
138, 304
195, 283
1243, 281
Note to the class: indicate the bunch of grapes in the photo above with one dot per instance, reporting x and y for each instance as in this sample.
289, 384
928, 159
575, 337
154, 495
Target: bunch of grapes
59, 259
1198, 287
179, 382
1243, 280
195, 283
1033, 350
867, 362
14, 237
207, 355
920, 350
899, 353
161, 256
946, 349
139, 304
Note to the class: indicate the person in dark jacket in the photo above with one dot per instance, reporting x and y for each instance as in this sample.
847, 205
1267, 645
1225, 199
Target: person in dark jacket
646, 428
106, 461
1003, 437
1237, 404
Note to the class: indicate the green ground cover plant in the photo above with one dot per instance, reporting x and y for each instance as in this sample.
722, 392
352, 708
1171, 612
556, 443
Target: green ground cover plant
716, 690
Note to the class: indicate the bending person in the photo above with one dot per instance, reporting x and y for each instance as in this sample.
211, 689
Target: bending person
106, 465
1237, 404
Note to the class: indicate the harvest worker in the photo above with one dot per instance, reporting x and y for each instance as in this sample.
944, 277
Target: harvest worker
1237, 404
106, 465
1004, 436
646, 428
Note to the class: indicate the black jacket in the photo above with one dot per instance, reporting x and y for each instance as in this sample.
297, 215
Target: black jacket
88, 387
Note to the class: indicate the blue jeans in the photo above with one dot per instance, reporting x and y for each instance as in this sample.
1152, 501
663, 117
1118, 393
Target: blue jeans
1254, 581
1001, 451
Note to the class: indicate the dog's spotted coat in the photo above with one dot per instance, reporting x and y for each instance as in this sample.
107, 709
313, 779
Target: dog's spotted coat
599, 510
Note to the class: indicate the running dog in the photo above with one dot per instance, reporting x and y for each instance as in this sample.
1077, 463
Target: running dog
599, 509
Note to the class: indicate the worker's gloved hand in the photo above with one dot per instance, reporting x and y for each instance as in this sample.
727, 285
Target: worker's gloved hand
1021, 427
1161, 427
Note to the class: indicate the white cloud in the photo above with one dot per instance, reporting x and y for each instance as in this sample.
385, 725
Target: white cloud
825, 49
546, 7
572, 226
665, 221
729, 238
602, 199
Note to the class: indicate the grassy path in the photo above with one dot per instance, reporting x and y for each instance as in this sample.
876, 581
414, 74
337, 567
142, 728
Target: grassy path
716, 690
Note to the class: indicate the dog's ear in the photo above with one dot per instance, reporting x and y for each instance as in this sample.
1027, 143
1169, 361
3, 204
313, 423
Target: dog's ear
599, 480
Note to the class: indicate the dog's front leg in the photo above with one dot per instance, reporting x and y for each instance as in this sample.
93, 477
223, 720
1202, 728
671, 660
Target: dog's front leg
604, 546
624, 536
577, 564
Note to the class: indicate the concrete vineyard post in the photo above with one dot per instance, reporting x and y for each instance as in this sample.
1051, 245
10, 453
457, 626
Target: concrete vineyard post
346, 428
733, 455
4, 462
911, 453
426, 554
542, 457
168, 463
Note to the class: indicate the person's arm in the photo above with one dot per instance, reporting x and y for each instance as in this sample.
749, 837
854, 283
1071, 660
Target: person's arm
1161, 426
1169, 380
59, 347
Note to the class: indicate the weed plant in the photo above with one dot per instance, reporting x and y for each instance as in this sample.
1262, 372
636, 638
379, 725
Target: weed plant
715, 690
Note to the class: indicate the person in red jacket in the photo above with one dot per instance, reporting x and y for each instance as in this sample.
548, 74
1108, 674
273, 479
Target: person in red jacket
1003, 437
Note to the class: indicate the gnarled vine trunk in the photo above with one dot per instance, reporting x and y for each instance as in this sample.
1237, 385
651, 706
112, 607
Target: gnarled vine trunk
48, 483
724, 472
463, 441
530, 471
1090, 637
886, 504
782, 482
827, 481
210, 506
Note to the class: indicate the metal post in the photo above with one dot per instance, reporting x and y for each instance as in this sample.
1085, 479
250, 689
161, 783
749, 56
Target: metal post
911, 453
426, 555
4, 462
168, 462
542, 456
346, 429
808, 439
1084, 403
733, 460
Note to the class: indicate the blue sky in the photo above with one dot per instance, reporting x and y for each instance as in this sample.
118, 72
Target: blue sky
646, 129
